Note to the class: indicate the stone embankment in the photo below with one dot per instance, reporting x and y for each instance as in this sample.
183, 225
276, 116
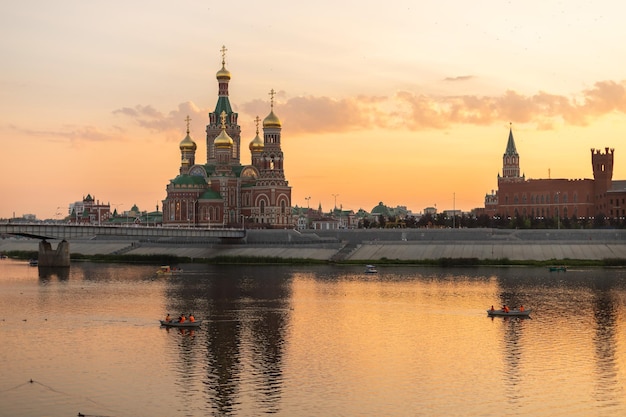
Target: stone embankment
372, 245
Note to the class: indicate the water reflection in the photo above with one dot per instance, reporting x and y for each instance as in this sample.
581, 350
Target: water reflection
46, 273
605, 306
307, 340
246, 316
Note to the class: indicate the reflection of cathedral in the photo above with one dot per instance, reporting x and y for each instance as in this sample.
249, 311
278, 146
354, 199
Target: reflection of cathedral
223, 192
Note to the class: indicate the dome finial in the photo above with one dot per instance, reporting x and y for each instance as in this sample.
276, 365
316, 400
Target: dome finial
187, 119
257, 119
272, 93
223, 74
223, 120
223, 50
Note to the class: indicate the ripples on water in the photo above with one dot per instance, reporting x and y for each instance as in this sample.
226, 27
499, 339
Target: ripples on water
304, 341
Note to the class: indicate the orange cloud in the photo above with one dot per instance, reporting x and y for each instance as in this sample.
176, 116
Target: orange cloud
405, 110
71, 133
150, 118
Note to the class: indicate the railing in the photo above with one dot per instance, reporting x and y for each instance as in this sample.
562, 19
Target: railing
57, 231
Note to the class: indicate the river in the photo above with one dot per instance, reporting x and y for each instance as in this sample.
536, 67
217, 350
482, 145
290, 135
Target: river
311, 341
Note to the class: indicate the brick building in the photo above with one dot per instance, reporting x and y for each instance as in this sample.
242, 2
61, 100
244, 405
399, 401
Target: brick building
223, 191
557, 198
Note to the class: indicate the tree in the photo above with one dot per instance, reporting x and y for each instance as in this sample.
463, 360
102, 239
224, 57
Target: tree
599, 221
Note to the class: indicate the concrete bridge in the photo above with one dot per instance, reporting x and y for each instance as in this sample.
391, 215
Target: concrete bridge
63, 232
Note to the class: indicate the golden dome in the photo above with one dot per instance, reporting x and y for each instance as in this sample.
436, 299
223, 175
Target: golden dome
271, 120
223, 140
188, 144
223, 74
257, 143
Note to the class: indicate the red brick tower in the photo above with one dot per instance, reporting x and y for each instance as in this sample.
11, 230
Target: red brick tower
602, 164
510, 162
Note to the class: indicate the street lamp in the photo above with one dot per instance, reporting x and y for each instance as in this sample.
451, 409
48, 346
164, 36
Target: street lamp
453, 208
558, 220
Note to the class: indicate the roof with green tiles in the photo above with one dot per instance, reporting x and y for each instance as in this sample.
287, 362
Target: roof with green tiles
210, 195
189, 180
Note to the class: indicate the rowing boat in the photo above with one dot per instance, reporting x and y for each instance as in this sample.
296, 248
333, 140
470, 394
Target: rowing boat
511, 313
167, 270
186, 324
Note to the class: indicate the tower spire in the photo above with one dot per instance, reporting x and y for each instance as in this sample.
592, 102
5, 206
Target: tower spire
510, 146
510, 159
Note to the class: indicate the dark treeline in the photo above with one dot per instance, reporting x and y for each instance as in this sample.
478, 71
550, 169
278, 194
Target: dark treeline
498, 222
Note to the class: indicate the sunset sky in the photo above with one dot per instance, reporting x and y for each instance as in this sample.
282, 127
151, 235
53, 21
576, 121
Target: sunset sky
408, 103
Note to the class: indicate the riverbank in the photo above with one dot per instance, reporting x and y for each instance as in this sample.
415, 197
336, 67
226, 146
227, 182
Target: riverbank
420, 246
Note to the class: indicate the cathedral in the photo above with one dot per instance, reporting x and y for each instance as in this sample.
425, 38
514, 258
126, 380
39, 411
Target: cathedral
223, 192
588, 198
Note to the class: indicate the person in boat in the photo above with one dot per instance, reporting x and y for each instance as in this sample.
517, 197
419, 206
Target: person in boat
492, 309
521, 308
192, 318
182, 318
168, 318
505, 308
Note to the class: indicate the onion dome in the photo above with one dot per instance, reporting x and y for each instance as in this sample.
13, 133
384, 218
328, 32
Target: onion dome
187, 144
223, 140
271, 120
257, 143
223, 74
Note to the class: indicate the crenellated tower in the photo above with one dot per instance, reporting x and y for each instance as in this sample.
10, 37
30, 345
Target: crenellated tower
602, 165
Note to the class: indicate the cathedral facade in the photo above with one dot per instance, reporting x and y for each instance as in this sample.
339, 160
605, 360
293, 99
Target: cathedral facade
557, 198
223, 192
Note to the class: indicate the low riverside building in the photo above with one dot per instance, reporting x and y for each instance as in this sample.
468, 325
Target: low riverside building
89, 211
558, 198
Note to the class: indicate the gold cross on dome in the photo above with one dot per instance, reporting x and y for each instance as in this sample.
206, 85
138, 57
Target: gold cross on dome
223, 119
223, 50
187, 119
272, 93
257, 120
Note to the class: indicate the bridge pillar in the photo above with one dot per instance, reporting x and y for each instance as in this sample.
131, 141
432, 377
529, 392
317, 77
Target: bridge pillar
51, 257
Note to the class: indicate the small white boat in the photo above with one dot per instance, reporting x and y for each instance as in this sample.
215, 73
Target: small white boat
186, 324
512, 312
370, 269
